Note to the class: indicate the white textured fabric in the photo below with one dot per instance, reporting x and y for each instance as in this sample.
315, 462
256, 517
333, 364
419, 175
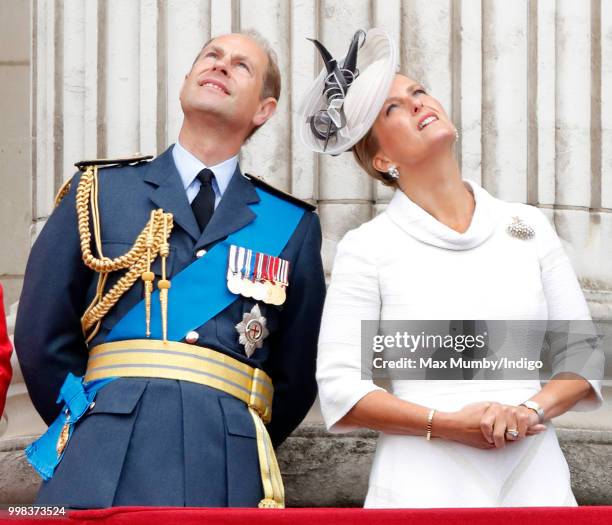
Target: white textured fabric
404, 264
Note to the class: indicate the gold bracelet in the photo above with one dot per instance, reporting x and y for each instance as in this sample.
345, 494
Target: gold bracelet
429, 422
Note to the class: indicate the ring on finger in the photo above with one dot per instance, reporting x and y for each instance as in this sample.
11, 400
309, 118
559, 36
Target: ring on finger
512, 433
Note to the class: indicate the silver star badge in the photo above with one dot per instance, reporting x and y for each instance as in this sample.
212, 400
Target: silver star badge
252, 330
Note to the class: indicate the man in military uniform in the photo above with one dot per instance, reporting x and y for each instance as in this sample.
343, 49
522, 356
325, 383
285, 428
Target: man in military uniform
168, 323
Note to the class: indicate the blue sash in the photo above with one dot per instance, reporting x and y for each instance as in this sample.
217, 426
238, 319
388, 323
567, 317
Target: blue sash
198, 293
77, 398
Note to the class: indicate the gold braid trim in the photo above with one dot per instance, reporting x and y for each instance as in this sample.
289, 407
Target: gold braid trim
62, 192
136, 260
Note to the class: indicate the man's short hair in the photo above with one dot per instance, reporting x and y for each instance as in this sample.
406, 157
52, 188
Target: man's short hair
271, 86
272, 78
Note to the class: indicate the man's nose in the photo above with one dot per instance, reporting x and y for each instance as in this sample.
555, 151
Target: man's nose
221, 65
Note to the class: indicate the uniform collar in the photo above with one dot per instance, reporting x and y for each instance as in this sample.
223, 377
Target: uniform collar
167, 192
188, 166
415, 221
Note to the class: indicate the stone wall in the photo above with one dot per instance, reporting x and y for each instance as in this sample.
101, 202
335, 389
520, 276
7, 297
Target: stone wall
323, 470
528, 83
15, 142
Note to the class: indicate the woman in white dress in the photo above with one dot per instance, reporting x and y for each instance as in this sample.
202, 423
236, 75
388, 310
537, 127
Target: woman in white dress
444, 248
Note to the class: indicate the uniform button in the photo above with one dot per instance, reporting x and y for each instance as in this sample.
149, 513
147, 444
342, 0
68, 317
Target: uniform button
200, 253
192, 337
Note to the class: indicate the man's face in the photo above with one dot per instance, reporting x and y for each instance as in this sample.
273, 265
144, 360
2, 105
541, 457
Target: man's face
226, 80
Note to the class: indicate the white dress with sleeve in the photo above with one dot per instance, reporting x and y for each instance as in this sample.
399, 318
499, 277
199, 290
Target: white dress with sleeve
404, 264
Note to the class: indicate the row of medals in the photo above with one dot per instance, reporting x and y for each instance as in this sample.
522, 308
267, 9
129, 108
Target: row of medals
270, 291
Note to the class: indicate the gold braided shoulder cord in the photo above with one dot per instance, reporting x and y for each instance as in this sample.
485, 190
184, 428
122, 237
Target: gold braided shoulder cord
62, 192
151, 242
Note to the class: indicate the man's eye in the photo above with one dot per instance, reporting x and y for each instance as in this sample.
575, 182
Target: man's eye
391, 106
421, 91
210, 54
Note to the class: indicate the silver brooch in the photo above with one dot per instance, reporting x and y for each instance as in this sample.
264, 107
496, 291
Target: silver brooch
252, 330
520, 230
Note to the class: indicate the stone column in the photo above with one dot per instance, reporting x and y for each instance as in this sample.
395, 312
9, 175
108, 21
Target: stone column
345, 192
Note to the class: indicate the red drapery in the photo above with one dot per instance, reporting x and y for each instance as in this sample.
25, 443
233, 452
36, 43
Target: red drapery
189, 516
5, 355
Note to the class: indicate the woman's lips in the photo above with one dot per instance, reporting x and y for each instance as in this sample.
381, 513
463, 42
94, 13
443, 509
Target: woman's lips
426, 120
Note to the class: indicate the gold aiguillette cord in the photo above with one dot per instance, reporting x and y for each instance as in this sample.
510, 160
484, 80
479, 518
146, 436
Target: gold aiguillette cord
164, 284
136, 262
148, 276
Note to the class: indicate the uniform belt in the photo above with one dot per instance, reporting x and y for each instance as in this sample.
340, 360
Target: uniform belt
174, 360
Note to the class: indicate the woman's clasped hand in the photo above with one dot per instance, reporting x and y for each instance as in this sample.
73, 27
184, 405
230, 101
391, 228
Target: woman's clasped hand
487, 424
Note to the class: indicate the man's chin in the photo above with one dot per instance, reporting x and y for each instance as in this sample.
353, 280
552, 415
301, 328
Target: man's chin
211, 108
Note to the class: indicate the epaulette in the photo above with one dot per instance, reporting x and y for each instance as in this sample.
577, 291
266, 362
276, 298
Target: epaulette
104, 163
292, 198
109, 163
62, 192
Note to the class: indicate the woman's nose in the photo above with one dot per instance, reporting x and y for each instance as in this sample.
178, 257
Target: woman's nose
416, 105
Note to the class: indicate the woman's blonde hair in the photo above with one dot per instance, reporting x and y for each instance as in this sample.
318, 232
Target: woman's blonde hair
364, 152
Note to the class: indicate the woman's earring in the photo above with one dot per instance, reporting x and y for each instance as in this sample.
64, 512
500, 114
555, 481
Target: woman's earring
393, 172
456, 133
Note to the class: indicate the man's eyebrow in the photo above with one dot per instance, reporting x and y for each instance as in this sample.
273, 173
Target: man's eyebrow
221, 51
244, 58
212, 47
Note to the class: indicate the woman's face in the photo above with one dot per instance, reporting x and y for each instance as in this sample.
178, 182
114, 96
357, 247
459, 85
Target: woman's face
411, 126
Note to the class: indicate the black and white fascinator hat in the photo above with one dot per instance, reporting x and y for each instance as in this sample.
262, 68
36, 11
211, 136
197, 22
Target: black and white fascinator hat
345, 99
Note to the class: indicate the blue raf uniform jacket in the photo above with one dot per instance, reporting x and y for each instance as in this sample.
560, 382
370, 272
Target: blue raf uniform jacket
150, 441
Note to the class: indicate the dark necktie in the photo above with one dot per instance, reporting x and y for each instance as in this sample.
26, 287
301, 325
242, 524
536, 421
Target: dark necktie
203, 205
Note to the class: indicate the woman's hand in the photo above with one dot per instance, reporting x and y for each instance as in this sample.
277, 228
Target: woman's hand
463, 426
499, 418
481, 424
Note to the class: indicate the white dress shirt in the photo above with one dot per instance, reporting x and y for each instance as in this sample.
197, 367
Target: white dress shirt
188, 166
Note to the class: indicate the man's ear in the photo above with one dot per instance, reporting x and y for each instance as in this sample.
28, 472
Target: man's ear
267, 108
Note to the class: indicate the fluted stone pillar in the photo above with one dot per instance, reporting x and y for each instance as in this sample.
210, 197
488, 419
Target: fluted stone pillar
526, 82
